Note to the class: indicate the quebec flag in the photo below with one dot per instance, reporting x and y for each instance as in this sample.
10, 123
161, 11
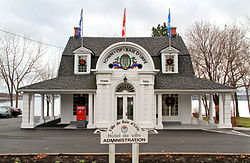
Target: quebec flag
80, 24
168, 27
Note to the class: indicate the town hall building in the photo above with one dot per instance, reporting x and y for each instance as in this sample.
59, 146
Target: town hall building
142, 79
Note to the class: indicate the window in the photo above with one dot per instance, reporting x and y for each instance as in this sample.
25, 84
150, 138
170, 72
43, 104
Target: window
170, 105
82, 60
169, 58
125, 87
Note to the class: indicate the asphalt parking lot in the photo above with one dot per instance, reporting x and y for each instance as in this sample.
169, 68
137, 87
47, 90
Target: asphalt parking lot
16, 140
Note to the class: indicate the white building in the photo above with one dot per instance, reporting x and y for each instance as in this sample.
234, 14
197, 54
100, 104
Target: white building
143, 79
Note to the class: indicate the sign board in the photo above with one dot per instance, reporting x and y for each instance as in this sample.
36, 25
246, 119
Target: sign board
124, 131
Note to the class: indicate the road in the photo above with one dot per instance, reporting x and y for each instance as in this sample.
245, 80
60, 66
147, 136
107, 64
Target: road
16, 140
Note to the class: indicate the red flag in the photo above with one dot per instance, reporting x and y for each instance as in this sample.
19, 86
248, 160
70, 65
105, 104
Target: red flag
124, 22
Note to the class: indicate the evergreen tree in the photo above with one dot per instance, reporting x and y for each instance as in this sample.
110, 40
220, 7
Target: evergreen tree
160, 30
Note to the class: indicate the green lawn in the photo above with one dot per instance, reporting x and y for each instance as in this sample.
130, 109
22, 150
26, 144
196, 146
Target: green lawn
243, 122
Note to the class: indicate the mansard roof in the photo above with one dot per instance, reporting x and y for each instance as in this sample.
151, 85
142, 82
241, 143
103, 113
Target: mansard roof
152, 44
184, 80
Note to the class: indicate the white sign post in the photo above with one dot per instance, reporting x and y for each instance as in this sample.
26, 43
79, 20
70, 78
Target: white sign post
124, 131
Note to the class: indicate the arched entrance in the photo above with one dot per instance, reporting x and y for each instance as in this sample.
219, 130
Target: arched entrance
117, 98
125, 101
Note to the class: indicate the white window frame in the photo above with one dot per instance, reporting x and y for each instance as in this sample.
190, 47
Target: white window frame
164, 56
172, 118
76, 65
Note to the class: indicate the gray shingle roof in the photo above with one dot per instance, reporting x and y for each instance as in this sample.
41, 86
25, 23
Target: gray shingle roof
184, 80
152, 44
177, 82
66, 83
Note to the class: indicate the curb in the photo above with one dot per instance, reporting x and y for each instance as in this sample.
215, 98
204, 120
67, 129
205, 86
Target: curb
241, 129
93, 154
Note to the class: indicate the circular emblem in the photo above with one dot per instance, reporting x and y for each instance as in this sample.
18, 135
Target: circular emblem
124, 129
125, 61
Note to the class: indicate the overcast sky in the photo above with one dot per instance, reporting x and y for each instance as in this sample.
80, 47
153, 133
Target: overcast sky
52, 21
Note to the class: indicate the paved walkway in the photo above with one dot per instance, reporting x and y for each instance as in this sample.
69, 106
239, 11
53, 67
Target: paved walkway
15, 140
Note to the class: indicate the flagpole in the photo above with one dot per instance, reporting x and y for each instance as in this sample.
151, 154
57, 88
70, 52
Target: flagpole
169, 41
82, 27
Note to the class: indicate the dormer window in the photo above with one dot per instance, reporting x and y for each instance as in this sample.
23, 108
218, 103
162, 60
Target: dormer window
82, 61
169, 58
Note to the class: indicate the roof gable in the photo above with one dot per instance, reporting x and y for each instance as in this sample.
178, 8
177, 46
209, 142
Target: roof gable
170, 49
82, 50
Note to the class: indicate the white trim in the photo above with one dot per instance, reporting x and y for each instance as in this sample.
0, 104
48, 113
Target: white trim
156, 91
170, 118
102, 72
148, 72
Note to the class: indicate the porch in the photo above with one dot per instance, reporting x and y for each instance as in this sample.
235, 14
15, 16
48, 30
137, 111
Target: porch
183, 122
56, 124
67, 113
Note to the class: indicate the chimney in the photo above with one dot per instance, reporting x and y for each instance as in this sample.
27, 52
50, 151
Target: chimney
173, 31
76, 32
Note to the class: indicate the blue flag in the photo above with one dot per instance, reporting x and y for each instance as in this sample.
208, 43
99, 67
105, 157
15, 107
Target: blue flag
168, 27
80, 25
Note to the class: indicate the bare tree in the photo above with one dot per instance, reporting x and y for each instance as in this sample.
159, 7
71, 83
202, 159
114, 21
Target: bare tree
218, 54
237, 52
18, 59
49, 71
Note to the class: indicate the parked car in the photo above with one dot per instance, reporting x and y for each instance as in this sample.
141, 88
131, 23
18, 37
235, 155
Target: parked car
5, 112
15, 111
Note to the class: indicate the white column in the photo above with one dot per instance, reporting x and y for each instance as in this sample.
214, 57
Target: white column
90, 123
52, 108
227, 111
221, 109
211, 112
42, 120
159, 120
200, 108
108, 104
154, 111
94, 110
25, 111
32, 107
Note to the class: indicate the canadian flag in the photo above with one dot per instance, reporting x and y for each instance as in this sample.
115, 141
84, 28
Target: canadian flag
124, 22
